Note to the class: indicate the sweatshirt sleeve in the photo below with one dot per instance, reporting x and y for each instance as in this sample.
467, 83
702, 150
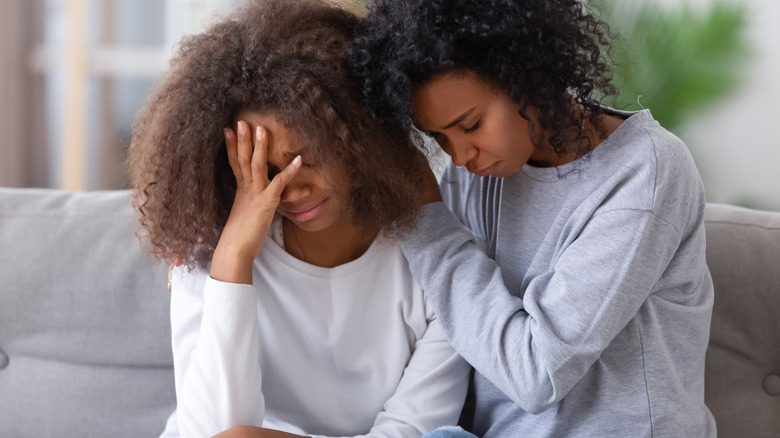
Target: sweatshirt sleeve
431, 392
216, 354
537, 348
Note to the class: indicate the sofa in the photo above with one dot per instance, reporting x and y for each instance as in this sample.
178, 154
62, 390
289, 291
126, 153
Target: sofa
85, 336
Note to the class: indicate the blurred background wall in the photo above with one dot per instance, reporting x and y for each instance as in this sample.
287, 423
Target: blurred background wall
72, 75
737, 141
708, 70
74, 72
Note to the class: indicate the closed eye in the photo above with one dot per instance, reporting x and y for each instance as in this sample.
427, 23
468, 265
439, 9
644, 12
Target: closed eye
473, 128
306, 160
273, 170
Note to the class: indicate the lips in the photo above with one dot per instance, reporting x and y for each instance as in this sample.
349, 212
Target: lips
484, 171
306, 212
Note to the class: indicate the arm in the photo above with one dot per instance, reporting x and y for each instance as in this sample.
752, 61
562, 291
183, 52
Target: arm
253, 207
216, 342
430, 393
216, 354
537, 348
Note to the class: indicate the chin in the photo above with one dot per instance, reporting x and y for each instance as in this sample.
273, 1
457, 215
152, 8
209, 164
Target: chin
320, 223
311, 228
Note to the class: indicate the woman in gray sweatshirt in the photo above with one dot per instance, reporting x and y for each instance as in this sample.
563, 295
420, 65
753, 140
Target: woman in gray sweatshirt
567, 262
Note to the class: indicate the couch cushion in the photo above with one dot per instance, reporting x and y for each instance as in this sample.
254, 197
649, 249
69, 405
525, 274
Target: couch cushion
742, 387
84, 326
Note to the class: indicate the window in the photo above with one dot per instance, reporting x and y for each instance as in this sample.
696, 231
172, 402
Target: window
92, 63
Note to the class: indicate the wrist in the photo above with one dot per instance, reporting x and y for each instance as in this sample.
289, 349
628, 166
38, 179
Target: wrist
232, 265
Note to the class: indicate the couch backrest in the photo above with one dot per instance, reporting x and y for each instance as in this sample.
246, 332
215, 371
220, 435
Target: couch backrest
85, 334
84, 328
742, 386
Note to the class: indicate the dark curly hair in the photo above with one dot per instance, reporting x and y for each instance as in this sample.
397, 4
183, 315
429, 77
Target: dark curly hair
280, 57
545, 54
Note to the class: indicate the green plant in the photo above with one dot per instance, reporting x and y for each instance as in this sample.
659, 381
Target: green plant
675, 61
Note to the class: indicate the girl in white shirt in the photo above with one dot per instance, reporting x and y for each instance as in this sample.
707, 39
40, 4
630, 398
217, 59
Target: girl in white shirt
258, 173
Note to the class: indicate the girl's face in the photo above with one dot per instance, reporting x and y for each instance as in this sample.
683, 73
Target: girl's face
477, 126
315, 199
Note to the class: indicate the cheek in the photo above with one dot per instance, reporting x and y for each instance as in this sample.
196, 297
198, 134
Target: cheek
339, 204
334, 185
496, 139
514, 132
316, 177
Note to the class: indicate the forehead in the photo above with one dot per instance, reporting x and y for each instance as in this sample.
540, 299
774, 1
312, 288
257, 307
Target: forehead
270, 122
283, 142
448, 96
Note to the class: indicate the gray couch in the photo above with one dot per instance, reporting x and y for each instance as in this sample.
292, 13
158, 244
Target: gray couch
85, 340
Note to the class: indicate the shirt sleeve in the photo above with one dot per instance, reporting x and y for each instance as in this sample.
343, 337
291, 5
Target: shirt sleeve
216, 354
431, 392
537, 348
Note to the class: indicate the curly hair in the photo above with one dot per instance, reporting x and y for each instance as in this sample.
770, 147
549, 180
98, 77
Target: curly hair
544, 54
286, 58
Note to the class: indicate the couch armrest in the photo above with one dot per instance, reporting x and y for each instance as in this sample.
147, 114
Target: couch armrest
742, 386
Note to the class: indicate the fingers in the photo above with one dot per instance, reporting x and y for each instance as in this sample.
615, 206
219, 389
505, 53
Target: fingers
284, 177
244, 152
231, 143
248, 158
260, 159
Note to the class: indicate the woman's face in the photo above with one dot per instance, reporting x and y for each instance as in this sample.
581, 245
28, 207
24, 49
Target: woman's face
477, 126
315, 199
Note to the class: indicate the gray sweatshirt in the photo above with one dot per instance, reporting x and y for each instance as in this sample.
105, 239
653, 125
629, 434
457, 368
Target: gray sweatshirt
580, 294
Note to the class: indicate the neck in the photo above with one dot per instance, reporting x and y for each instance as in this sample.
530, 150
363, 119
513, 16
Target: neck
545, 155
334, 246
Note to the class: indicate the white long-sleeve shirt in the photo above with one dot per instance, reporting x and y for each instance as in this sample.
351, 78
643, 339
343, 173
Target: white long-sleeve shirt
347, 351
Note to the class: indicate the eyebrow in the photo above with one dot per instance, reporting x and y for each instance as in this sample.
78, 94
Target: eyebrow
459, 119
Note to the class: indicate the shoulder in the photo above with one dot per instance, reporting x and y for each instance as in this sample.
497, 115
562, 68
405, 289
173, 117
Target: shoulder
654, 170
386, 282
646, 142
185, 278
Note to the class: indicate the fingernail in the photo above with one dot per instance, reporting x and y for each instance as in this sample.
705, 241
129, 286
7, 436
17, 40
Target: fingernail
259, 132
297, 160
240, 127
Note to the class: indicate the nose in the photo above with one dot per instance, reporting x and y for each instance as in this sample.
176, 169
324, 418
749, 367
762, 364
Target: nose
462, 152
295, 190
